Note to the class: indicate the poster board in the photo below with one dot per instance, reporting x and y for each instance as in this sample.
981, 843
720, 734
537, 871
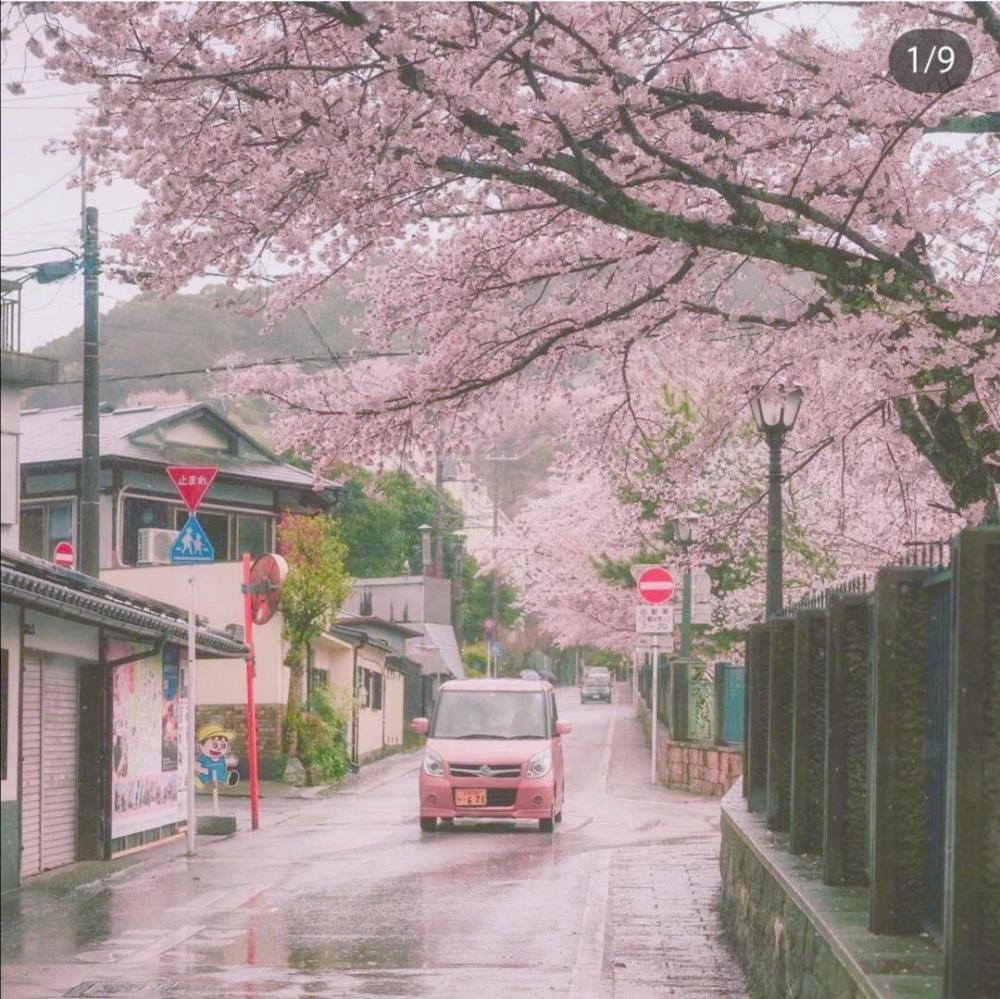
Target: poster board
146, 739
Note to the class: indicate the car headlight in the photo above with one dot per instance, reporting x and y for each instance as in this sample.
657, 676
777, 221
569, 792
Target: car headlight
433, 764
539, 764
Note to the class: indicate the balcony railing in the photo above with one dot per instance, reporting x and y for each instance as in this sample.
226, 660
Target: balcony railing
10, 319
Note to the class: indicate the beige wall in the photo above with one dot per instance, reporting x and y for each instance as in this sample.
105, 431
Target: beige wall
337, 658
10, 482
219, 599
369, 720
394, 708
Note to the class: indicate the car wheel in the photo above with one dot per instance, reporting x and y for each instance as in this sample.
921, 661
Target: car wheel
428, 824
558, 816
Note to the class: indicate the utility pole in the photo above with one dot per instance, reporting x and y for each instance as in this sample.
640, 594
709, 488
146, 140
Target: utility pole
90, 484
495, 574
438, 571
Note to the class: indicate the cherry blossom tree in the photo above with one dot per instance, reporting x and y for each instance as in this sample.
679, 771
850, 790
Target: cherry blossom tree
545, 200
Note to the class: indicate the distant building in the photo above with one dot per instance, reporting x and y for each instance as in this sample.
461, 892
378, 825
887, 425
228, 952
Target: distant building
423, 603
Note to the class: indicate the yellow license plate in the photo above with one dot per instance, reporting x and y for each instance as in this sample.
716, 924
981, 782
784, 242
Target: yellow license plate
470, 796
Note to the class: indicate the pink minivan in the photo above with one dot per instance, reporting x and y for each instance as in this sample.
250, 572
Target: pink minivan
494, 750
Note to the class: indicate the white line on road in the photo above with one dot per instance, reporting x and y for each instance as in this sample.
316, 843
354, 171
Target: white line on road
602, 770
587, 979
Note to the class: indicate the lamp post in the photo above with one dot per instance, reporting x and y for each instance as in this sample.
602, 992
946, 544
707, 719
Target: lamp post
775, 412
686, 527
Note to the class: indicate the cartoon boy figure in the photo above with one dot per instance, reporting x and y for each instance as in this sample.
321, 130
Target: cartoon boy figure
215, 762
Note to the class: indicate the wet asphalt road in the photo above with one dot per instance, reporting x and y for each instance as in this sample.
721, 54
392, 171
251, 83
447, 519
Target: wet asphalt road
344, 896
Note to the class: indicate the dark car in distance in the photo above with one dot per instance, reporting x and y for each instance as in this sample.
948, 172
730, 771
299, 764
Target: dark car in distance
596, 687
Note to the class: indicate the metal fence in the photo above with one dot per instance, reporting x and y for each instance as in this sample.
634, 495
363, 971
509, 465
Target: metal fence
729, 686
697, 701
885, 693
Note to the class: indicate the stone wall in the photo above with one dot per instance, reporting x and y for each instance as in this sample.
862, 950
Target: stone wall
270, 759
795, 936
693, 766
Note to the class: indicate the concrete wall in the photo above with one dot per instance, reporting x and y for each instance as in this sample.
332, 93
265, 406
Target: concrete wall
10, 437
404, 598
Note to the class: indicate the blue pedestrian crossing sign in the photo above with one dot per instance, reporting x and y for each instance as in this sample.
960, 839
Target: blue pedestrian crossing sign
192, 545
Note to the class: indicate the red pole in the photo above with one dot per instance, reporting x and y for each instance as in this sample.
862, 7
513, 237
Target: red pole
251, 706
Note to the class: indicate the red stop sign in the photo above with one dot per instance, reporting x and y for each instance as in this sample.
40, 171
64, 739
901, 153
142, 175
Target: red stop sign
656, 585
64, 555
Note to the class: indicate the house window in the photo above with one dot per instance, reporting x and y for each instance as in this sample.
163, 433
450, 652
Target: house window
231, 533
4, 707
138, 514
253, 534
373, 685
44, 525
317, 679
216, 526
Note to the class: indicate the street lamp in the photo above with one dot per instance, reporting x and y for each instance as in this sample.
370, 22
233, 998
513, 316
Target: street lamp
775, 413
686, 531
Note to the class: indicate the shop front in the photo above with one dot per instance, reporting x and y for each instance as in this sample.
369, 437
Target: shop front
95, 720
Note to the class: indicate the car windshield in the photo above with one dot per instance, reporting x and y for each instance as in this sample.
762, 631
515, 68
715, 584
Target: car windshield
597, 681
490, 714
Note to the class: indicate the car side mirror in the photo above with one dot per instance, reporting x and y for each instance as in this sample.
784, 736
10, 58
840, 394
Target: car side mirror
419, 725
563, 727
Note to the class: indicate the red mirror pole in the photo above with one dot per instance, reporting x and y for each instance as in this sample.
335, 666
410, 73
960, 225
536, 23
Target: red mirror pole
251, 706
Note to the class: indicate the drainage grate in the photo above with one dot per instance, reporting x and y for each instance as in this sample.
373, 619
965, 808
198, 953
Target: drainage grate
101, 990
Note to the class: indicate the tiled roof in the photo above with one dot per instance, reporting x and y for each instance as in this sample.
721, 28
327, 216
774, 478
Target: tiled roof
53, 435
33, 582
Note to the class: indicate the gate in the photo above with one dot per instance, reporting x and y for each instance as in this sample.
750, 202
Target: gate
700, 703
730, 680
936, 739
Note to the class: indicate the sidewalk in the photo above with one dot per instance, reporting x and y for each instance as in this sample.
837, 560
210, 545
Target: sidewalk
385, 769
665, 938
280, 802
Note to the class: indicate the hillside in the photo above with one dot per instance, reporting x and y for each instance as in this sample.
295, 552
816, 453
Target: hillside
151, 336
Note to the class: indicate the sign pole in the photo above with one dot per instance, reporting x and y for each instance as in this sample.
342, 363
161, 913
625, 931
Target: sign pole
192, 820
654, 697
251, 704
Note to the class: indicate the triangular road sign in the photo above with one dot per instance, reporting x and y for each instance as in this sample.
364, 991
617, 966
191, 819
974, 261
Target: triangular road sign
192, 482
192, 544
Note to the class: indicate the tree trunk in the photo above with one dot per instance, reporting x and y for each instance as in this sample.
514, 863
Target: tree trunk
294, 660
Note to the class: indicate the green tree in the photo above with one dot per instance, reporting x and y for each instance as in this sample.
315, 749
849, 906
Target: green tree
316, 585
477, 601
380, 518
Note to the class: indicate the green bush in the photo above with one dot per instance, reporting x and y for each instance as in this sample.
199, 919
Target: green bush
474, 659
322, 737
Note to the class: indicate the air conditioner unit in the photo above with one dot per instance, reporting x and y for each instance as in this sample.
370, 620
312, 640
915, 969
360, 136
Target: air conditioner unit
155, 544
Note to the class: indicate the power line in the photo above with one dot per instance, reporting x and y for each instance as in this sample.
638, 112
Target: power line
41, 249
244, 365
38, 194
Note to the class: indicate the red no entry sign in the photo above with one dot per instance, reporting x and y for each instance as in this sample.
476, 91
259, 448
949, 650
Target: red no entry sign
656, 585
192, 482
64, 555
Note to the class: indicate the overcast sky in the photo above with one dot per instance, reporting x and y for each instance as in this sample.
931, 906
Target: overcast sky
38, 211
